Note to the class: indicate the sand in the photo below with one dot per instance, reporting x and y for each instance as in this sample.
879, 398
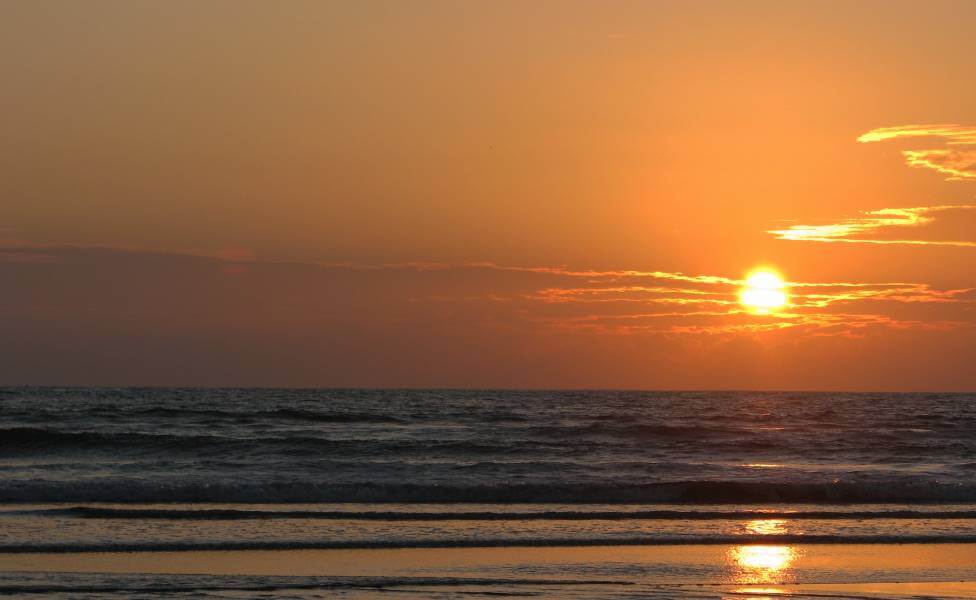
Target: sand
847, 570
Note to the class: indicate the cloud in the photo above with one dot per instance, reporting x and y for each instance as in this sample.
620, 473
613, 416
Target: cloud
618, 302
815, 308
181, 318
874, 225
956, 158
478, 295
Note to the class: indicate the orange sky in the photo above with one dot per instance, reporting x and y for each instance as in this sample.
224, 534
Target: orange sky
510, 194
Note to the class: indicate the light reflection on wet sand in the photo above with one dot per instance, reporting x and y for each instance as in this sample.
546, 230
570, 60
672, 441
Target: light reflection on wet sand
761, 564
670, 571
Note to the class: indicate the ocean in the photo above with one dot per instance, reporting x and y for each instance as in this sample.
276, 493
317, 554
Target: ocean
173, 470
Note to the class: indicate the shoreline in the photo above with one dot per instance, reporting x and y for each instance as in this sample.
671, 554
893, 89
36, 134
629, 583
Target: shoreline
692, 571
842, 558
651, 542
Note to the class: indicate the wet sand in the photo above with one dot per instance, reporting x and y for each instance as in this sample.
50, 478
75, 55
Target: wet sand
873, 570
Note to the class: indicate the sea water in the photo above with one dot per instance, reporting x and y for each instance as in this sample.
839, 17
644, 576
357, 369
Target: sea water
101, 470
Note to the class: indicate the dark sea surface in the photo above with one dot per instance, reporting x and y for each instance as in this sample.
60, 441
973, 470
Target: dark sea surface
273, 446
88, 470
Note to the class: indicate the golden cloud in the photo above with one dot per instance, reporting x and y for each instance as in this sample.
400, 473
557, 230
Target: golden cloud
871, 227
529, 298
956, 158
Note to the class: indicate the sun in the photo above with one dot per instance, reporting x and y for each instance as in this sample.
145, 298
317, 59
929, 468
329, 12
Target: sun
764, 292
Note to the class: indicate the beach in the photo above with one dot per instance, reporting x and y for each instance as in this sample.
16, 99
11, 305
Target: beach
849, 571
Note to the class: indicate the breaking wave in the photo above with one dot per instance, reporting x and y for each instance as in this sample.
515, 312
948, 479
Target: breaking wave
690, 492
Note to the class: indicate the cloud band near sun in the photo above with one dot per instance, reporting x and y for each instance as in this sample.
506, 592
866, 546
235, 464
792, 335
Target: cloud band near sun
955, 157
372, 300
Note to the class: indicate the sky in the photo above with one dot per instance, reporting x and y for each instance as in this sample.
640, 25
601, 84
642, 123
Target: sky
552, 194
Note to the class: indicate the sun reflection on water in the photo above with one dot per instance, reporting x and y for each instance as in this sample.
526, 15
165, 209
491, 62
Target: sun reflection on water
762, 563
769, 560
767, 526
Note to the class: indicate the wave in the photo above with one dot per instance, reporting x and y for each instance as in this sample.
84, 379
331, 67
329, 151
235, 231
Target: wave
20, 441
726, 540
91, 512
34, 440
296, 414
138, 491
286, 414
117, 583
626, 429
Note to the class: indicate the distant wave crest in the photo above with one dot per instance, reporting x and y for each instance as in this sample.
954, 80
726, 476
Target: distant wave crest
230, 514
689, 492
484, 543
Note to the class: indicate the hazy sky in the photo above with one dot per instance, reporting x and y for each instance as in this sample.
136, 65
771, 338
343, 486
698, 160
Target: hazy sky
512, 194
